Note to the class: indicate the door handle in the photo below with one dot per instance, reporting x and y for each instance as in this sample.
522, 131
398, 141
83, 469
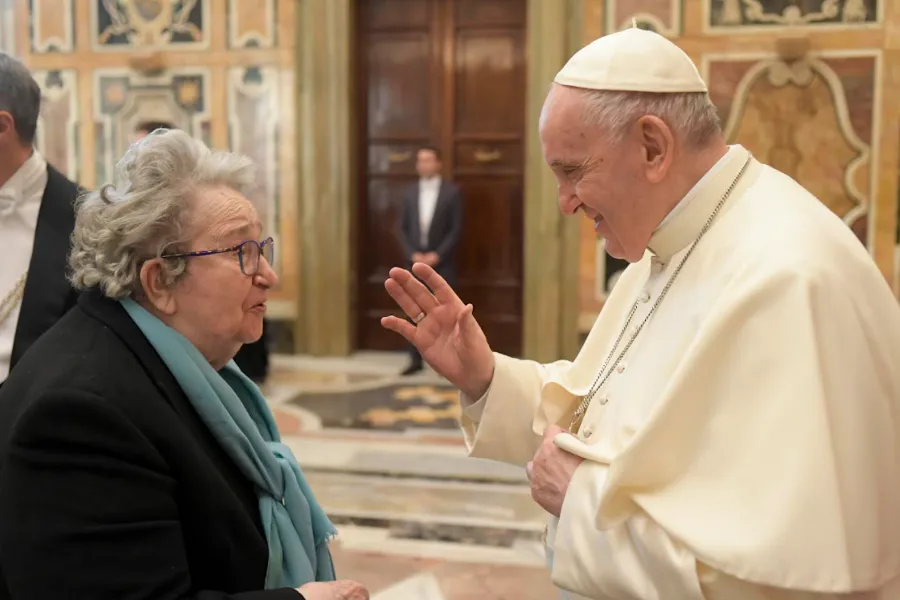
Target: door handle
487, 156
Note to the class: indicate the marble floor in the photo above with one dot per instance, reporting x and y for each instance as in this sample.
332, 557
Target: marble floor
417, 518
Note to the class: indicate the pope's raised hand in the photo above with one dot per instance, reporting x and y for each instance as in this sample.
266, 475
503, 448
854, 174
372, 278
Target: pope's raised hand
443, 329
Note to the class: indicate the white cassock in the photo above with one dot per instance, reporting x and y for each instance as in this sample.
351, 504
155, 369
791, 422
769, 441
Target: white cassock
747, 447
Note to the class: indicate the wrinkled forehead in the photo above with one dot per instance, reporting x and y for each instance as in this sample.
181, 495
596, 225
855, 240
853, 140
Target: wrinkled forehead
562, 126
563, 107
225, 216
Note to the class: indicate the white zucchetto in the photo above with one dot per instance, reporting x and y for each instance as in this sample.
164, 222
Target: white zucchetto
632, 60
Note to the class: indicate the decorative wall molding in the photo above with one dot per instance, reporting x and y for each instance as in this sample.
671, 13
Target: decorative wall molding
125, 25
58, 131
254, 115
252, 23
745, 87
8, 26
52, 26
749, 16
664, 17
123, 98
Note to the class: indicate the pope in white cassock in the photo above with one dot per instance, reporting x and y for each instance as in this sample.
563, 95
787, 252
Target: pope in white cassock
730, 429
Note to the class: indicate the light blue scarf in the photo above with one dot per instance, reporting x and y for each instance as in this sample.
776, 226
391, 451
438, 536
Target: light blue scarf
235, 411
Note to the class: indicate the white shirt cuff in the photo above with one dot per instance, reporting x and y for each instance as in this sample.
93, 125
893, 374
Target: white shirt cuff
474, 410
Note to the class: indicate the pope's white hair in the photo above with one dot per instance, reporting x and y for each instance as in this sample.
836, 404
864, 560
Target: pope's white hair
146, 211
692, 116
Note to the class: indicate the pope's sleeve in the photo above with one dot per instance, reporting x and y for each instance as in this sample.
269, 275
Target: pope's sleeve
500, 425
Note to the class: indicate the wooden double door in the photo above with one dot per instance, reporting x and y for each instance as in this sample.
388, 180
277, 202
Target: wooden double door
447, 73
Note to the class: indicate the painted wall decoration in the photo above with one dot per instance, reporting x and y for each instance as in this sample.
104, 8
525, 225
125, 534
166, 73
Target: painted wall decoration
252, 23
769, 14
253, 129
58, 125
662, 16
122, 99
221, 70
812, 119
52, 26
140, 24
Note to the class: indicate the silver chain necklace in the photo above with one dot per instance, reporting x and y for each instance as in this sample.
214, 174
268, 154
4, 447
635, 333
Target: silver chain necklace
604, 374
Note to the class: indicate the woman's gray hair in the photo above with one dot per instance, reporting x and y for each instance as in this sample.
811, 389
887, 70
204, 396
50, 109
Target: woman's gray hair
146, 212
692, 116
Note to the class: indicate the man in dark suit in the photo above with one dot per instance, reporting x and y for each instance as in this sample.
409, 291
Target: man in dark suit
431, 224
37, 216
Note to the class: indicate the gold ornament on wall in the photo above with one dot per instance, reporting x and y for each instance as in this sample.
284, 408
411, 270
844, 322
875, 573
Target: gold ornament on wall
149, 22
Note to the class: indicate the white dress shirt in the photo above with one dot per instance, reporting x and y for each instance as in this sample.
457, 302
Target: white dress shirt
20, 203
429, 188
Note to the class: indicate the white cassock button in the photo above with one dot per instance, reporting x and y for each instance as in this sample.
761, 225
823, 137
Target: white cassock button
620, 368
587, 432
603, 399
645, 297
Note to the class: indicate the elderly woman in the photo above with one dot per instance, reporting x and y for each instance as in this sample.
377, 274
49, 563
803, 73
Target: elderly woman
136, 461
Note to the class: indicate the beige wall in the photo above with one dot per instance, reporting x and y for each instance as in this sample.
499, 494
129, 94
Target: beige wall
225, 75
831, 123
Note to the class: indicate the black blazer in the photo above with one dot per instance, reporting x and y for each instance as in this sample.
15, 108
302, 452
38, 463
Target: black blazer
48, 294
444, 233
111, 487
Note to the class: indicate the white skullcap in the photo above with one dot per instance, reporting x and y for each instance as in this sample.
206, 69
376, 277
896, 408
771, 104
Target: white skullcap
632, 60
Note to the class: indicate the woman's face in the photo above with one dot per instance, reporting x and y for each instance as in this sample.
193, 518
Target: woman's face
215, 304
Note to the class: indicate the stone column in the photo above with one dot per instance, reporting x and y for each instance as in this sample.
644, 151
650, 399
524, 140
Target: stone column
551, 240
325, 176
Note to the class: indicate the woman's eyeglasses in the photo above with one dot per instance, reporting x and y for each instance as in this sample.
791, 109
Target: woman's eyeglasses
248, 252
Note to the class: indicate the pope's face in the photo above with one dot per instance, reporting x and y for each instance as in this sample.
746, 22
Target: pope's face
603, 180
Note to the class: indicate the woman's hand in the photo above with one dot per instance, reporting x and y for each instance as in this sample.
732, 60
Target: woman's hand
446, 334
334, 590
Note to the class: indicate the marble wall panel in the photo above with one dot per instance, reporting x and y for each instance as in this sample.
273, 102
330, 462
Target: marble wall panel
52, 26
254, 115
661, 16
767, 15
252, 23
122, 25
813, 119
8, 26
122, 99
58, 124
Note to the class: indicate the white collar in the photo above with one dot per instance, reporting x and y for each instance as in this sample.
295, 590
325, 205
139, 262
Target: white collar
693, 191
685, 224
23, 184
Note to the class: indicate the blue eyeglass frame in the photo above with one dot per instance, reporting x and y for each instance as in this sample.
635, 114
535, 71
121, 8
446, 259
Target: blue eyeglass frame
240, 252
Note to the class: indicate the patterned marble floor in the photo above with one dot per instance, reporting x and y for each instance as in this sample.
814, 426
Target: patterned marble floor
417, 518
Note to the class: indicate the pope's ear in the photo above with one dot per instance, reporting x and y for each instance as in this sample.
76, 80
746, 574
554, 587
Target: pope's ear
657, 146
155, 287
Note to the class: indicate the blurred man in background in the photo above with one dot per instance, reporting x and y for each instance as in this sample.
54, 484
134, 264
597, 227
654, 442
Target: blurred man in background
431, 225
